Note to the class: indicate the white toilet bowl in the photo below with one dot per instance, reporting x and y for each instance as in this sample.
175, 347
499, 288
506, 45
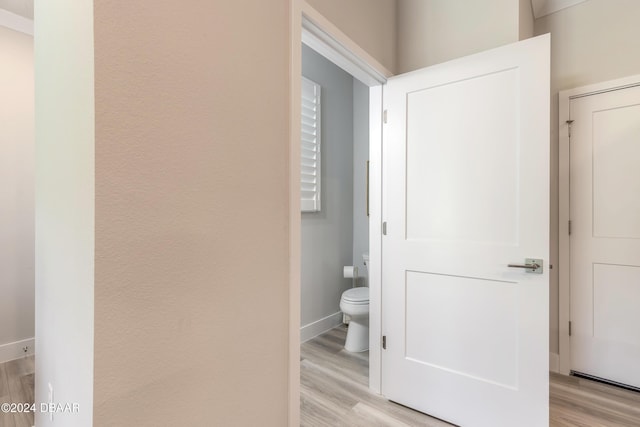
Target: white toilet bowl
355, 303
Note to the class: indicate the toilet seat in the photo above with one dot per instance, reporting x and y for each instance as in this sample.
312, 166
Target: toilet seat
356, 295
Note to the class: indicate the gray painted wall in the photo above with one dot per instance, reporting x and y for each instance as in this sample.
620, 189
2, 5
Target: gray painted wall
327, 236
360, 157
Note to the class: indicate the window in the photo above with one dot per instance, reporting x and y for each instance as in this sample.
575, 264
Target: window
310, 147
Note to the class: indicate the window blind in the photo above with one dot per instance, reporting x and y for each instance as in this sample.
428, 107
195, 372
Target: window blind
310, 147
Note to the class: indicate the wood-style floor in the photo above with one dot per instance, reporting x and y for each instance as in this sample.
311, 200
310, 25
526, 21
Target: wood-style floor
16, 386
334, 392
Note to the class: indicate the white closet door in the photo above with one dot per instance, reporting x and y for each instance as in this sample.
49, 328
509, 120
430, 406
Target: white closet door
605, 236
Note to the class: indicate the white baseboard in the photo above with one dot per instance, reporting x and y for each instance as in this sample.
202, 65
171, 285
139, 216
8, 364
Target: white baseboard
320, 326
15, 350
554, 362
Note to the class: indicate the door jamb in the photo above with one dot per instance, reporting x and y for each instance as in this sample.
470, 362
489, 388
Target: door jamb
564, 162
310, 27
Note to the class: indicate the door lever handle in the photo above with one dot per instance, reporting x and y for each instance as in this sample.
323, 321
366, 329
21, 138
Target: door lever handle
532, 265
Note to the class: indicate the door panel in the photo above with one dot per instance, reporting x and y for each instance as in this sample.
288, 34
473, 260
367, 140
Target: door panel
466, 192
605, 238
616, 176
443, 131
437, 305
616, 292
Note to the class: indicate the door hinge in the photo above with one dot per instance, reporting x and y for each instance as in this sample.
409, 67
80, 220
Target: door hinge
569, 227
384, 228
569, 122
384, 342
384, 116
569, 328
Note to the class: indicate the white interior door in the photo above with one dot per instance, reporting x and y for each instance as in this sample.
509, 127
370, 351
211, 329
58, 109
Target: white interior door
605, 235
466, 192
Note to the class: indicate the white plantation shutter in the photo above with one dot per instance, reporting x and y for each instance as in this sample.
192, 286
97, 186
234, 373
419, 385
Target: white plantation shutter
310, 147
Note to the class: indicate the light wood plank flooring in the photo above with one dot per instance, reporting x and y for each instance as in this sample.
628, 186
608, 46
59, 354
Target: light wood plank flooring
16, 386
334, 392
578, 402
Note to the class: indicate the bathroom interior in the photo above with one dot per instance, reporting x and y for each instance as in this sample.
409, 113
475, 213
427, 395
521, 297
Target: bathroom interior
335, 225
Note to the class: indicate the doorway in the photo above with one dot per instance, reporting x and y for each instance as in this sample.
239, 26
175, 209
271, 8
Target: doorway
335, 47
335, 152
367, 79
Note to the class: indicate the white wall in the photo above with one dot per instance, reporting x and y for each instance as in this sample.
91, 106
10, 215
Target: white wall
360, 157
327, 236
434, 31
23, 8
525, 25
594, 41
369, 23
64, 110
17, 307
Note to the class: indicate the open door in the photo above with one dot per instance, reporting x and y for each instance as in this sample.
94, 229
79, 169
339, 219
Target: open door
466, 194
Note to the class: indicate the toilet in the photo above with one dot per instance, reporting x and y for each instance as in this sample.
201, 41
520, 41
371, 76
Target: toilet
355, 304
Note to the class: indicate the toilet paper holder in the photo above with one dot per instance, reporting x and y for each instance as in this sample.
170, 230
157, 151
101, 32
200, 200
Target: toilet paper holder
351, 272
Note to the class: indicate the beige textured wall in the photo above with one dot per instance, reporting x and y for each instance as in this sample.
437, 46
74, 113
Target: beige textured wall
594, 41
192, 231
369, 23
434, 31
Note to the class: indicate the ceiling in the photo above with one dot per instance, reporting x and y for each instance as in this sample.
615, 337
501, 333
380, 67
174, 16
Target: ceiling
19, 7
547, 7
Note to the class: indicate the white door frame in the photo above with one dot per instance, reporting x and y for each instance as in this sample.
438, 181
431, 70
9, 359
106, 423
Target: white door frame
564, 162
311, 28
